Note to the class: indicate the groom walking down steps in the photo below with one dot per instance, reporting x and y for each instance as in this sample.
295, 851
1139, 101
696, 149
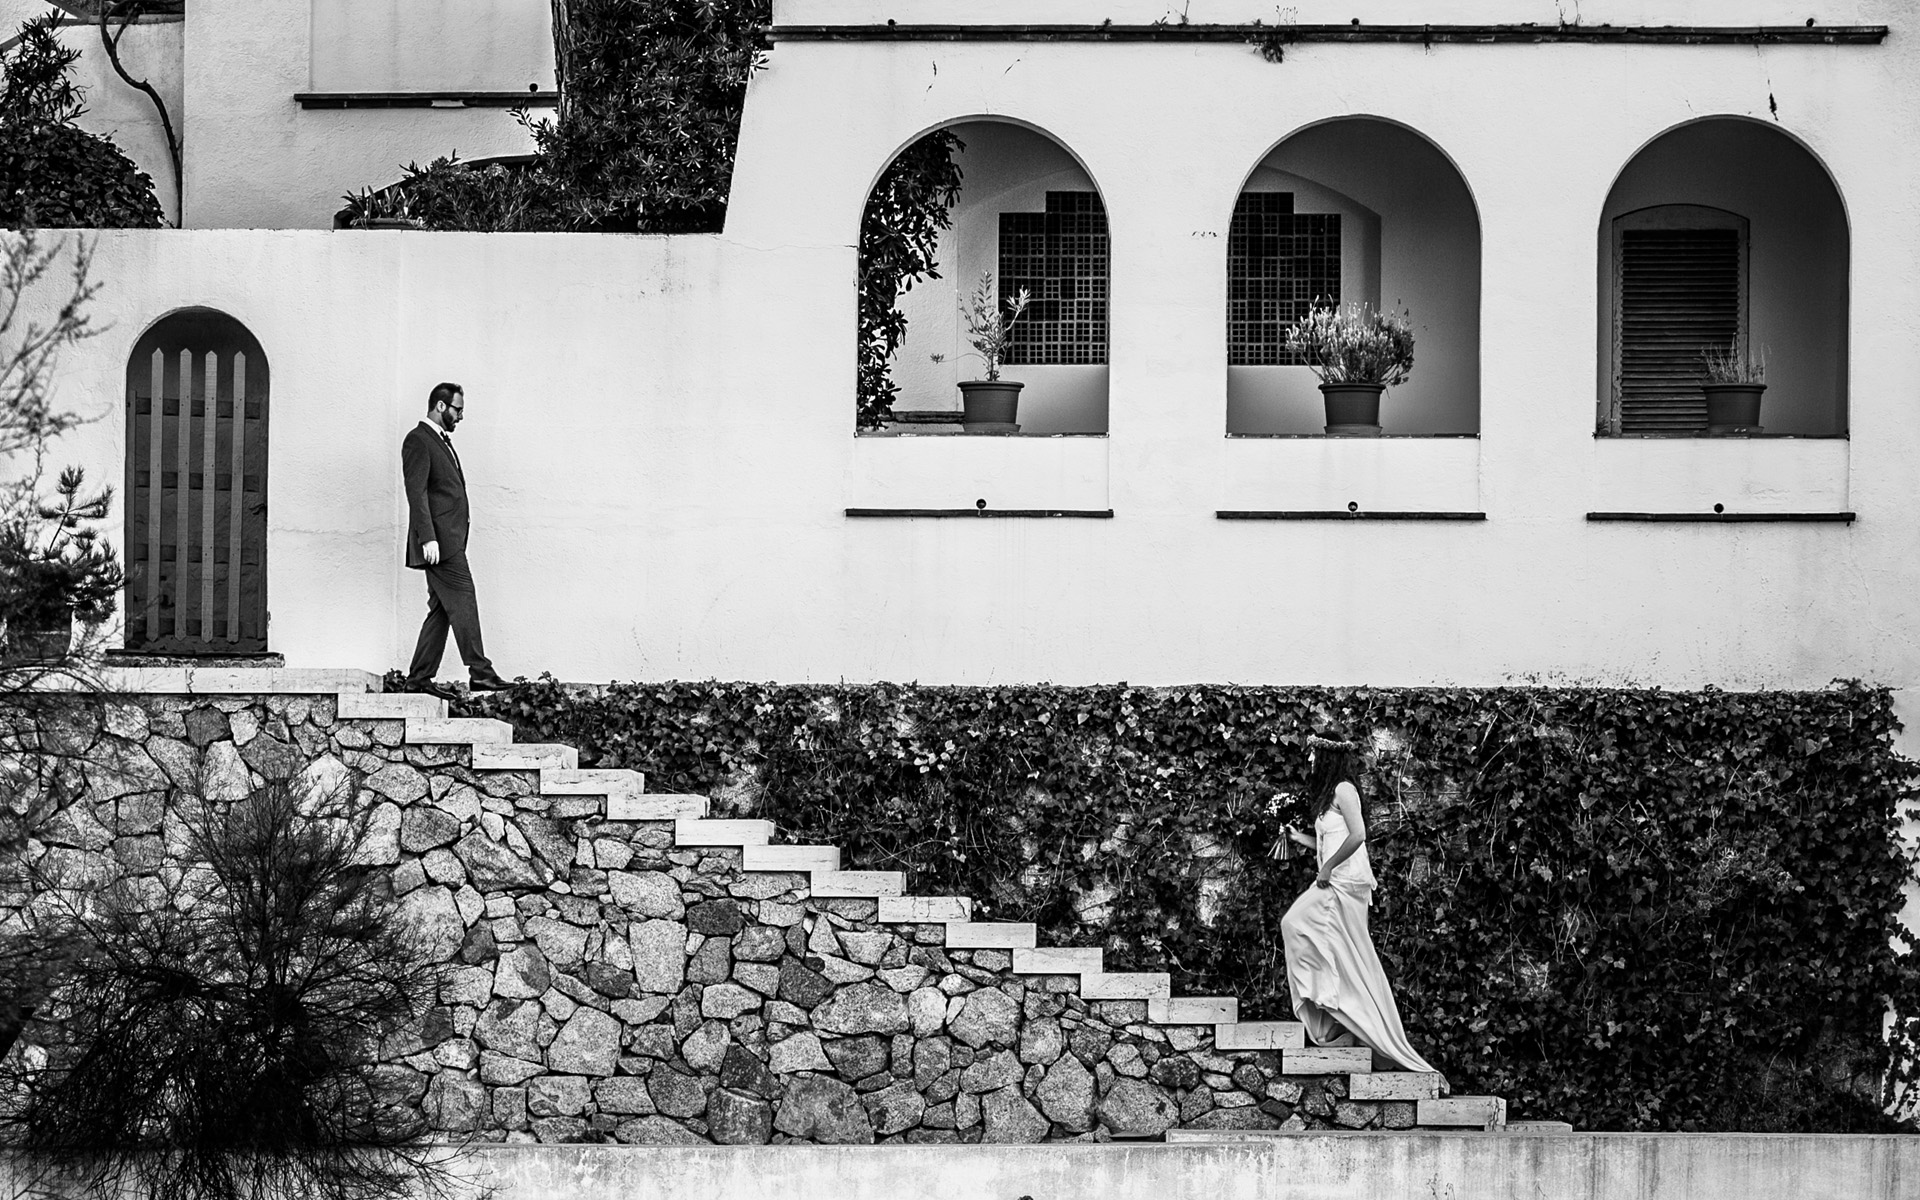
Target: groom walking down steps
437, 521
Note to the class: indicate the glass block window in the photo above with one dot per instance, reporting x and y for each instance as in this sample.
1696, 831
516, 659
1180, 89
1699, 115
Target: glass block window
1060, 257
1278, 263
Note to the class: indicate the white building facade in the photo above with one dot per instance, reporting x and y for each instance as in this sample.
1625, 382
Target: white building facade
665, 474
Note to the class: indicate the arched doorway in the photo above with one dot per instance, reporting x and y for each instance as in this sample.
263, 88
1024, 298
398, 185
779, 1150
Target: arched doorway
196, 488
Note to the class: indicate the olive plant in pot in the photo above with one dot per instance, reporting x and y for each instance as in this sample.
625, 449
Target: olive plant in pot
54, 570
1734, 384
1357, 352
990, 405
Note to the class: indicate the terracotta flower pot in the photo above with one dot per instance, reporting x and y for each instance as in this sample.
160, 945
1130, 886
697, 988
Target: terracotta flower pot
1733, 407
1353, 409
990, 405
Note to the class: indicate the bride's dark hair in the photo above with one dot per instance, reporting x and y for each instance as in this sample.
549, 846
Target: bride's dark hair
1334, 763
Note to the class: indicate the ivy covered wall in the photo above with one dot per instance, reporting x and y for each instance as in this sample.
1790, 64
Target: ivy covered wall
1626, 909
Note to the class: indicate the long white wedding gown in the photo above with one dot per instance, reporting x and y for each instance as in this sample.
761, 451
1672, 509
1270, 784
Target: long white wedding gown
1337, 981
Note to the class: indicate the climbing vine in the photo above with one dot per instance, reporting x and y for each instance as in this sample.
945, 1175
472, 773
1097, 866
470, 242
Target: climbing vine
1626, 909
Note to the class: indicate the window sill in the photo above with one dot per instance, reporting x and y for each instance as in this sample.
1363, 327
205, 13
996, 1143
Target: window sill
426, 99
1703, 435
1727, 518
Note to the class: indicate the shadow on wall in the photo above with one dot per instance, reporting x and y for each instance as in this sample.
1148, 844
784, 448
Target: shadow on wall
1030, 215
1404, 233
1743, 237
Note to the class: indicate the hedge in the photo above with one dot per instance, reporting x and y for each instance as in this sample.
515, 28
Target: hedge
1629, 909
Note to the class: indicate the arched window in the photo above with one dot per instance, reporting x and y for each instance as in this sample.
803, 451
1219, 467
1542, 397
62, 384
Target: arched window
1354, 210
1028, 218
1724, 236
196, 488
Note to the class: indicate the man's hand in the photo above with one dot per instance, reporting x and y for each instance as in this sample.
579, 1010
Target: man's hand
432, 552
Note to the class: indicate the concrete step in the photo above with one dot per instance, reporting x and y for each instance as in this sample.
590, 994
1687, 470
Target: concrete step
1327, 1060
925, 910
457, 731
1205, 1136
1194, 1010
233, 681
654, 806
991, 935
389, 706
1394, 1085
1455, 1112
1059, 960
1127, 985
594, 781
1260, 1035
790, 858
695, 832
1538, 1127
856, 884
525, 756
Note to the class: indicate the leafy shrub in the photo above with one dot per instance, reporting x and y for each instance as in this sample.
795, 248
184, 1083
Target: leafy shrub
899, 231
493, 197
1626, 909
650, 100
651, 93
52, 173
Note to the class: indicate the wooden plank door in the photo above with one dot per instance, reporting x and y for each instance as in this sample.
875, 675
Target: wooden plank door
196, 488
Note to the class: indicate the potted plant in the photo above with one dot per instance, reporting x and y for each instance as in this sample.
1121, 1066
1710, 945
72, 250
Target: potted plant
54, 569
1733, 385
384, 209
1357, 352
989, 405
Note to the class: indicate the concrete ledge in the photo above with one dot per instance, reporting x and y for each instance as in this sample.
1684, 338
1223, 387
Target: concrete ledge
1400, 1166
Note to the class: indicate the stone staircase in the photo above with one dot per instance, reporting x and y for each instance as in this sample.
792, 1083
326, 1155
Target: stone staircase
621, 795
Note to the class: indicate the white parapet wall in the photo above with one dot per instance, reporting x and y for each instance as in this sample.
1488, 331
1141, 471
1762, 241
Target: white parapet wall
1510, 1166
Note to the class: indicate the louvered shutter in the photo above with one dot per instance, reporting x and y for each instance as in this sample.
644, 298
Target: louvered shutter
1679, 294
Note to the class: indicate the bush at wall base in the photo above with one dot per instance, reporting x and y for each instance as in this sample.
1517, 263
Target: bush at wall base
990, 405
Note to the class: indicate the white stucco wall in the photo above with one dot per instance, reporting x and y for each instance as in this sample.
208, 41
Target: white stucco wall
661, 453
1797, 253
256, 159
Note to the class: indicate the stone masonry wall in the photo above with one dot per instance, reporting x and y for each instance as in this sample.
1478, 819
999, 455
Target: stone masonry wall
605, 985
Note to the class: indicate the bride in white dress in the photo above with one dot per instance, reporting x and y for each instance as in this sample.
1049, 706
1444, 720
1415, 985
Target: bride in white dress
1339, 988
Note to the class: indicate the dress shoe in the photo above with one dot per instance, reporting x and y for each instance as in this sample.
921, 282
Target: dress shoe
433, 688
493, 684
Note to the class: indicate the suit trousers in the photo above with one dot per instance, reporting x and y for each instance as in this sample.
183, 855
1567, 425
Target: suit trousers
451, 603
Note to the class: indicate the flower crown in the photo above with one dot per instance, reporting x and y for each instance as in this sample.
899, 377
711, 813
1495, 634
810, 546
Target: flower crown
1316, 742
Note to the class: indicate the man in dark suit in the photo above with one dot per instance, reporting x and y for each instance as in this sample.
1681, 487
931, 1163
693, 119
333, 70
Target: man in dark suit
437, 544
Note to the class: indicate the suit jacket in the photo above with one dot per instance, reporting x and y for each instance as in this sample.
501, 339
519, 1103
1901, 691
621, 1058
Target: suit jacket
436, 497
